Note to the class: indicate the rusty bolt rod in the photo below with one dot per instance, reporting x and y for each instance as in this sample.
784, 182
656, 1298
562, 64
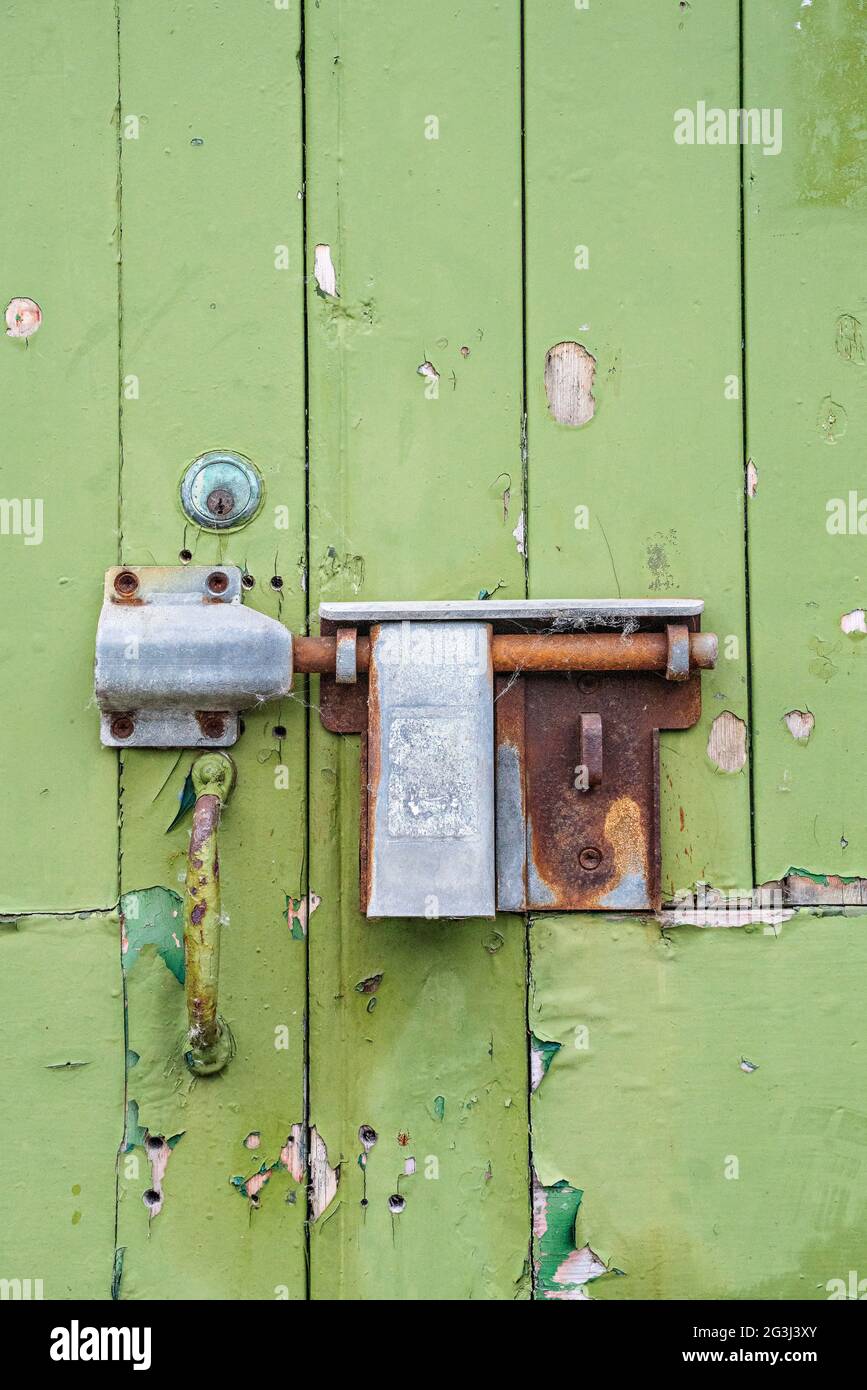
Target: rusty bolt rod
583, 651
209, 1045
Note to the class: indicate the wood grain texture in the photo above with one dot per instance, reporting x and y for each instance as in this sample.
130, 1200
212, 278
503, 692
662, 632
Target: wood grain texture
633, 252
213, 331
807, 429
646, 497
408, 472
60, 451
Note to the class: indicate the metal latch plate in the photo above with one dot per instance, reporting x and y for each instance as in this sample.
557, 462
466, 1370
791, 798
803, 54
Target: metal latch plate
431, 771
178, 655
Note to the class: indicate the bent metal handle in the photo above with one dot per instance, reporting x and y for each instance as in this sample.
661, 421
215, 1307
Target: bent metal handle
209, 1043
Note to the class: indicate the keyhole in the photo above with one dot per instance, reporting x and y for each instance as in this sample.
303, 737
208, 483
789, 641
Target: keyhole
220, 502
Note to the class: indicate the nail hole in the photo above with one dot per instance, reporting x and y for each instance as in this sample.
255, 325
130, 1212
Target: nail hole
154, 1143
279, 731
185, 556
247, 580
151, 1198
396, 1203
367, 1137
277, 582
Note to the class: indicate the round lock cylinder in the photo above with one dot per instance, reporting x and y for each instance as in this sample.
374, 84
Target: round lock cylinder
221, 490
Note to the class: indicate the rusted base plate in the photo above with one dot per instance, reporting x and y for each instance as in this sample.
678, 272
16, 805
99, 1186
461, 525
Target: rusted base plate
563, 848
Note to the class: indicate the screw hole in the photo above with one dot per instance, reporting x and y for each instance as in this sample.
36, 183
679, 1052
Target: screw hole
396, 1203
247, 580
367, 1137
185, 556
279, 731
277, 582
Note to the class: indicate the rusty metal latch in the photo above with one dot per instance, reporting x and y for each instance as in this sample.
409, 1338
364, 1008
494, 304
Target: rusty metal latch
509, 750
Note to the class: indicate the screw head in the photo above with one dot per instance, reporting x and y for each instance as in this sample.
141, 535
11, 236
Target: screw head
217, 582
590, 857
221, 490
125, 583
122, 726
212, 725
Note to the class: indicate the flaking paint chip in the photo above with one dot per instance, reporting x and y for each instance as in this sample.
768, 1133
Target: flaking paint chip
23, 317
727, 742
324, 273
853, 622
569, 374
752, 479
800, 724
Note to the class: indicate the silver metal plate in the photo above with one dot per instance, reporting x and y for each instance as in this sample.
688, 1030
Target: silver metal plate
431, 771
157, 728
173, 649
559, 612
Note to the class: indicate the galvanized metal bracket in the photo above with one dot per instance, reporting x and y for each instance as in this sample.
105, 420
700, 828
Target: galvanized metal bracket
178, 656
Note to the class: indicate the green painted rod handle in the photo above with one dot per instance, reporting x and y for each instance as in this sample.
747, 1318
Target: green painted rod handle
209, 1044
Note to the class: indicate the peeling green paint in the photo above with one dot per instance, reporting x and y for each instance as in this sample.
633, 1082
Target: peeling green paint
153, 917
117, 1271
542, 1054
554, 1216
703, 1173
186, 802
700, 1180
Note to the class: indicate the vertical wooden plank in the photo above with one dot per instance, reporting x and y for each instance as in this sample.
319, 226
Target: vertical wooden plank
62, 1101
58, 470
807, 428
213, 357
417, 1030
658, 465
635, 488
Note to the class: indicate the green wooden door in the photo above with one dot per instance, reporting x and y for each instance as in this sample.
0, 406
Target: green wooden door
353, 242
